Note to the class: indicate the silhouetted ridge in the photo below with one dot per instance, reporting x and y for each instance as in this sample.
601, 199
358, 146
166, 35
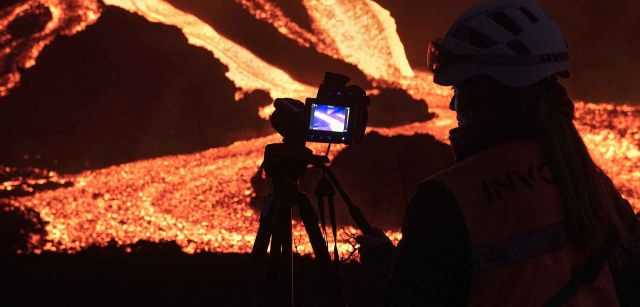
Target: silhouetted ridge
394, 107
123, 89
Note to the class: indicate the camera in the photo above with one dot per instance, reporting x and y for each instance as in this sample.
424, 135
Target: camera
339, 112
337, 115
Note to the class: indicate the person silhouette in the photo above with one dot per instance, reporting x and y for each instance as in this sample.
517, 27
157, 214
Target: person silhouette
525, 217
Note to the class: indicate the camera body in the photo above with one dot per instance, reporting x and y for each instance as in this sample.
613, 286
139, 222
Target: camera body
338, 114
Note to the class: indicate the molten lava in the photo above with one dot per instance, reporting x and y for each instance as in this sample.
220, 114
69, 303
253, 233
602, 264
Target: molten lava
201, 200
246, 70
364, 34
271, 13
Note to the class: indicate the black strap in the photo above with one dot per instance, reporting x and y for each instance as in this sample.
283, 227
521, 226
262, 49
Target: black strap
490, 59
334, 228
520, 248
587, 273
323, 217
325, 189
322, 190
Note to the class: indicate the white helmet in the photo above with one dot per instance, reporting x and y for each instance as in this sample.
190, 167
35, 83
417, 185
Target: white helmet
513, 41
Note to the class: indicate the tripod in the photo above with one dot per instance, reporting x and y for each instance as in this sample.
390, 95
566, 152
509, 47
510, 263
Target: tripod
285, 164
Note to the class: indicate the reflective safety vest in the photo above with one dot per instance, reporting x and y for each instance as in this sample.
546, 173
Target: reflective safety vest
515, 222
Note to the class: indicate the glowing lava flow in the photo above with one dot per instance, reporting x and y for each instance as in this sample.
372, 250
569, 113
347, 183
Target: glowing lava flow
19, 50
201, 200
246, 70
359, 32
271, 13
364, 34
612, 134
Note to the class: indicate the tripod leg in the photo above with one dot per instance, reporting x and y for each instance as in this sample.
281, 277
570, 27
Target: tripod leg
286, 260
265, 229
332, 217
310, 220
320, 202
323, 189
275, 228
274, 262
280, 264
261, 272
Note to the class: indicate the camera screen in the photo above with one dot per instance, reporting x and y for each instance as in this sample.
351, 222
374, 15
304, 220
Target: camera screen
329, 118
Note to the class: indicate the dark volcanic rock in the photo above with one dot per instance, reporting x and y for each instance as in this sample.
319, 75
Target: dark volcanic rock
295, 11
123, 89
30, 23
394, 107
20, 229
380, 175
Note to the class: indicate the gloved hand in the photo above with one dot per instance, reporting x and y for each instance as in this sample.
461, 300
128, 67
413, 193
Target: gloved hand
376, 251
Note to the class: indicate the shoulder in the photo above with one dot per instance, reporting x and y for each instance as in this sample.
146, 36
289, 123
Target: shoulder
432, 262
432, 194
432, 207
432, 188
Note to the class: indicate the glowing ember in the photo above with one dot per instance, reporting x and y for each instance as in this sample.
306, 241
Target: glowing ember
201, 200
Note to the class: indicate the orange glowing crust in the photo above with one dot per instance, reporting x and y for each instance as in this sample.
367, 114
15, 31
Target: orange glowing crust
200, 200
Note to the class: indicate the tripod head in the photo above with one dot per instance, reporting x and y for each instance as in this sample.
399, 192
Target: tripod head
285, 163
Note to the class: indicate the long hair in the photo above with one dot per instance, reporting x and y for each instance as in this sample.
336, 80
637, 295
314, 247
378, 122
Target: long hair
587, 192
